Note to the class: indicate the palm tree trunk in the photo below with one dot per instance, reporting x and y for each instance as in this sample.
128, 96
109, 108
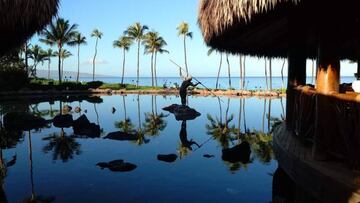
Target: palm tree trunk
187, 70
155, 74
152, 69
218, 74
240, 62
62, 67
244, 115
239, 121
31, 168
97, 114
138, 107
269, 117
59, 64
266, 78
270, 70
220, 110
123, 67
96, 43
138, 65
78, 70
152, 105
49, 69
229, 74
227, 113
263, 117
312, 71
244, 72
124, 105
282, 75
156, 112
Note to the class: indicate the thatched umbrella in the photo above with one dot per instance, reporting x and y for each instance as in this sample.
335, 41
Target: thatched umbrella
297, 29
20, 19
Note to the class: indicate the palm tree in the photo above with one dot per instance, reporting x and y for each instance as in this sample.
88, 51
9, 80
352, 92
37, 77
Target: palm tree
149, 43
242, 71
123, 43
229, 74
183, 30
282, 74
270, 74
59, 33
97, 34
153, 44
49, 54
136, 32
38, 55
159, 48
79, 40
210, 51
266, 77
63, 55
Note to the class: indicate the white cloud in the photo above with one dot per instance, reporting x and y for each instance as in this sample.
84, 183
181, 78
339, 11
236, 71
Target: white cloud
97, 62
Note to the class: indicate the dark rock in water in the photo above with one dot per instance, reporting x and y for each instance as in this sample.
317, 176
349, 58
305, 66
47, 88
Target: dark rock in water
77, 109
82, 126
23, 121
102, 165
117, 166
63, 121
113, 110
121, 136
85, 111
208, 156
239, 153
182, 112
95, 100
167, 157
66, 109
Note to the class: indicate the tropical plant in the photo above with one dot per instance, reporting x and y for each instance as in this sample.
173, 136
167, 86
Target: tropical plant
97, 34
49, 54
59, 33
38, 55
183, 30
159, 48
79, 40
210, 51
123, 43
136, 32
153, 43
63, 55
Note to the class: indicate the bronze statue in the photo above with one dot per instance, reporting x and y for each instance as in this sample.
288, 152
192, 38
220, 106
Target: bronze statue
183, 89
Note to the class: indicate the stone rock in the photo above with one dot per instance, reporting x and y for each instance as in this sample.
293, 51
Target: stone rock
239, 153
182, 112
118, 165
121, 136
63, 121
82, 126
23, 121
113, 110
208, 156
167, 157
77, 109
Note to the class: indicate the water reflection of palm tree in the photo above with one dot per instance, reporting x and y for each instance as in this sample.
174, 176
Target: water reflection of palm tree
154, 123
63, 147
261, 145
221, 130
97, 114
34, 197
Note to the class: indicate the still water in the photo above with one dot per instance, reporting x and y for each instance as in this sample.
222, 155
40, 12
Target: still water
54, 165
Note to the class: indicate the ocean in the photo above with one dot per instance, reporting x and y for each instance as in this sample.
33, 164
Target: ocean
251, 83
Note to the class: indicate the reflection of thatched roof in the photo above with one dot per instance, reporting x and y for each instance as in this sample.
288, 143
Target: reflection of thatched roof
20, 19
260, 27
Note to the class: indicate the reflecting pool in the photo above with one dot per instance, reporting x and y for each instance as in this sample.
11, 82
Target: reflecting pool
126, 148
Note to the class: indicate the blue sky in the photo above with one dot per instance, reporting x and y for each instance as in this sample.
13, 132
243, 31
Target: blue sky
112, 17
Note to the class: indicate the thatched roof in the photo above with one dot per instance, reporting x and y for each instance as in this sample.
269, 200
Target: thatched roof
261, 27
20, 19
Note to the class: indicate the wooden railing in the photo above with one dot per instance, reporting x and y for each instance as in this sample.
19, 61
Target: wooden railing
331, 122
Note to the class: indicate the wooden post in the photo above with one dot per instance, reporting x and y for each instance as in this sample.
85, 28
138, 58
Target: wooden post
327, 82
296, 63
